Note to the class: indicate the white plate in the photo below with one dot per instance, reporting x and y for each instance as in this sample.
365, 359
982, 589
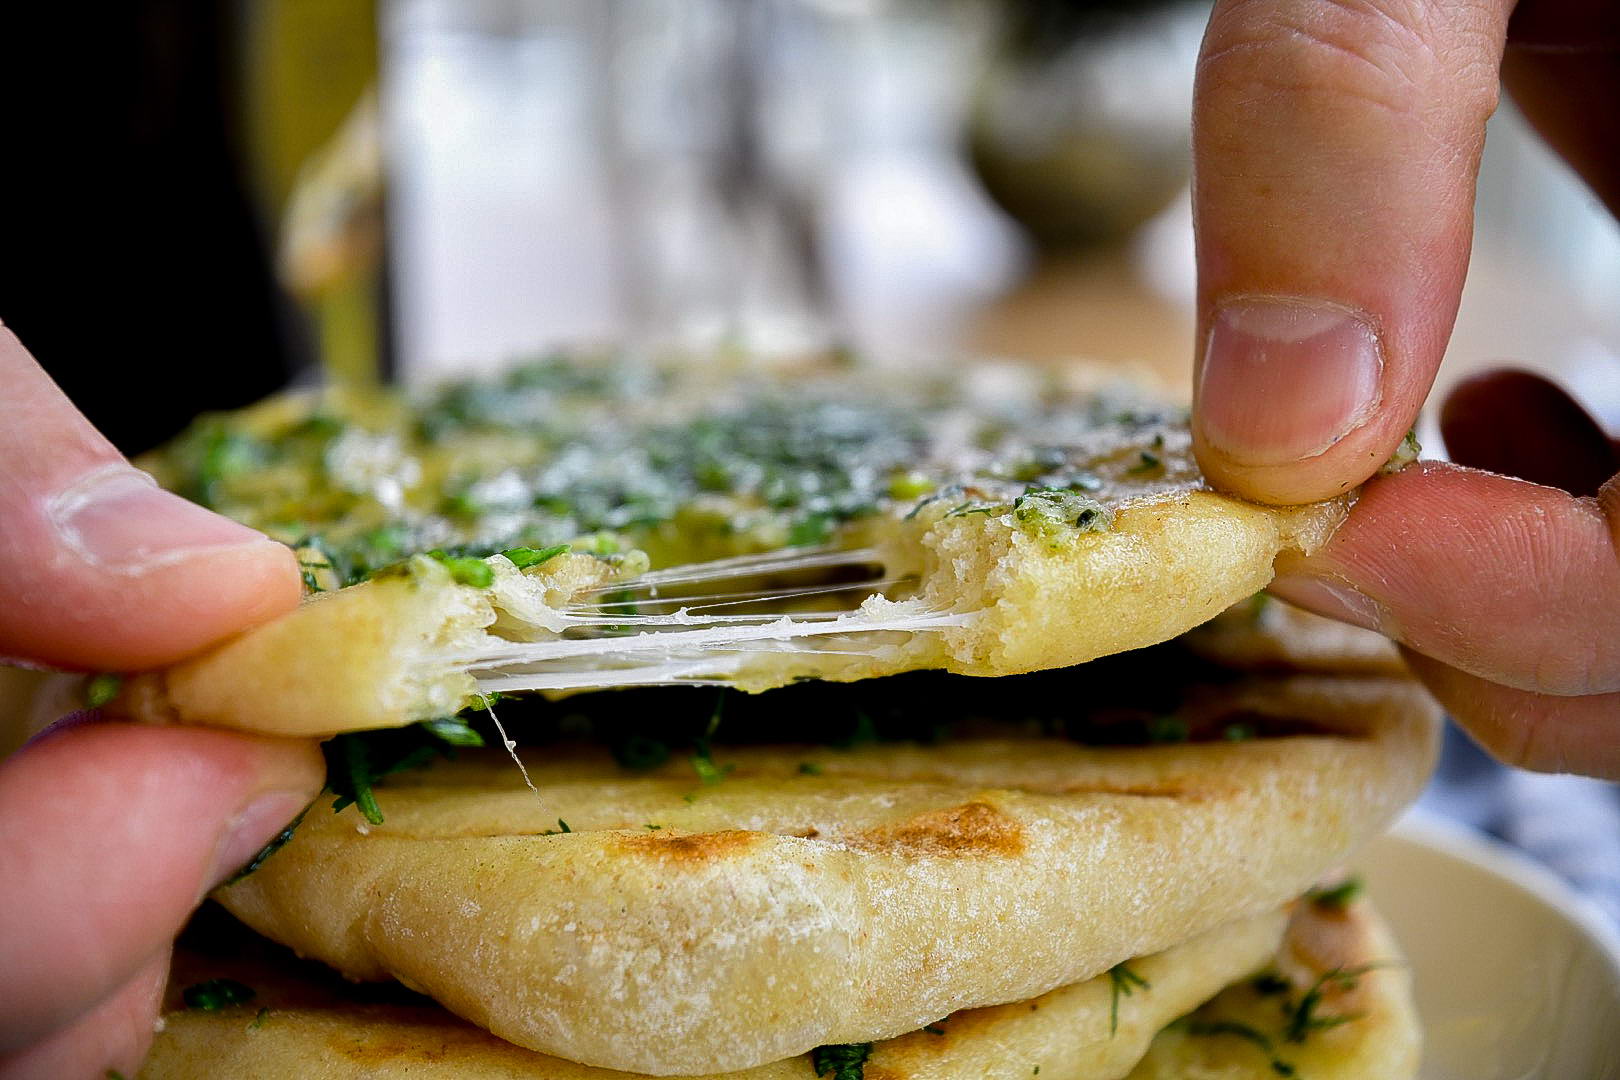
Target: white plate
1517, 977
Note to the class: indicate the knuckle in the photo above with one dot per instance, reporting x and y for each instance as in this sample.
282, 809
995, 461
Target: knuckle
1391, 56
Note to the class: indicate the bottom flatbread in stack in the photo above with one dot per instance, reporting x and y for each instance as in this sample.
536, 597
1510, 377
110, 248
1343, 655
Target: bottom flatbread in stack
1317, 994
1060, 865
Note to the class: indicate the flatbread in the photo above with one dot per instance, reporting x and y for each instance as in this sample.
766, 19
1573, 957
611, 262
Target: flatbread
1263, 633
1365, 1026
318, 1028
679, 927
995, 540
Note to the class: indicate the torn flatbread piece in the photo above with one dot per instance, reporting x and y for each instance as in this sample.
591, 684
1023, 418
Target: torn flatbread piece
557, 531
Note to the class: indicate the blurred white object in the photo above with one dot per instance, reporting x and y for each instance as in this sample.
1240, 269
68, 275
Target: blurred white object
778, 175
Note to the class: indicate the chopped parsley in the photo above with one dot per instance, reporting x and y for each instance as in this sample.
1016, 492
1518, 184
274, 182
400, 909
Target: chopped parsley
703, 752
1404, 454
842, 1061
1147, 462
216, 994
1168, 729
259, 1019
466, 569
1121, 981
102, 689
276, 843
1336, 897
809, 768
357, 760
525, 557
1052, 514
454, 731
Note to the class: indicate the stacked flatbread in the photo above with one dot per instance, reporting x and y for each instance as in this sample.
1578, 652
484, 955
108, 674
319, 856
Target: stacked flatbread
1096, 872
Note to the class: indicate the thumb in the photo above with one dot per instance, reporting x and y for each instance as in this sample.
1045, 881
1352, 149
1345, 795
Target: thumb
100, 567
1335, 148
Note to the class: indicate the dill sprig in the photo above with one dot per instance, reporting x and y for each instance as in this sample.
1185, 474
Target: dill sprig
841, 1061
1243, 1031
215, 994
1122, 982
1302, 1017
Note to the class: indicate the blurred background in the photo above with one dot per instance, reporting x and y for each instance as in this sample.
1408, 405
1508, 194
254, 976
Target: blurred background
216, 198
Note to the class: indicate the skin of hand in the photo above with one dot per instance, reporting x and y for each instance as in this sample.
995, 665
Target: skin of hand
1336, 147
111, 833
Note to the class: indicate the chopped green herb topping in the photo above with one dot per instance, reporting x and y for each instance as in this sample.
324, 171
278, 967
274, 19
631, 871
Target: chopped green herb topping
843, 1061
1243, 1031
102, 689
259, 1019
1404, 454
277, 842
1051, 514
1303, 1017
1168, 729
466, 569
356, 761
217, 994
809, 768
114, 1074
703, 753
1336, 897
1148, 461
1269, 984
525, 557
1238, 732
1122, 981
453, 730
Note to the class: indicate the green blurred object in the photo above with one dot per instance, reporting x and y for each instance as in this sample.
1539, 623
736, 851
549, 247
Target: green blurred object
1080, 127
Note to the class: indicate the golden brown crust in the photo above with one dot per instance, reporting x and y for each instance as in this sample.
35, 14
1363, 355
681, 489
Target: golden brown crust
774, 911
1366, 1025
319, 1030
316, 1028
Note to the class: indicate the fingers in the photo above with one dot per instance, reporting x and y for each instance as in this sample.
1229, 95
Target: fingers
1335, 151
1534, 731
109, 836
1519, 424
113, 1035
1511, 582
100, 568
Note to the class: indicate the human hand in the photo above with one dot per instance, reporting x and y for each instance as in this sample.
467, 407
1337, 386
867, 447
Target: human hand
1336, 146
111, 833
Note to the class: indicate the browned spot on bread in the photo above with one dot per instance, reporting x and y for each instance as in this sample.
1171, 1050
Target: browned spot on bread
1165, 789
691, 847
386, 1048
974, 828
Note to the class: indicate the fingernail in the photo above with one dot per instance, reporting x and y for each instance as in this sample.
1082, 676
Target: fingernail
119, 519
1285, 379
1335, 599
247, 833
